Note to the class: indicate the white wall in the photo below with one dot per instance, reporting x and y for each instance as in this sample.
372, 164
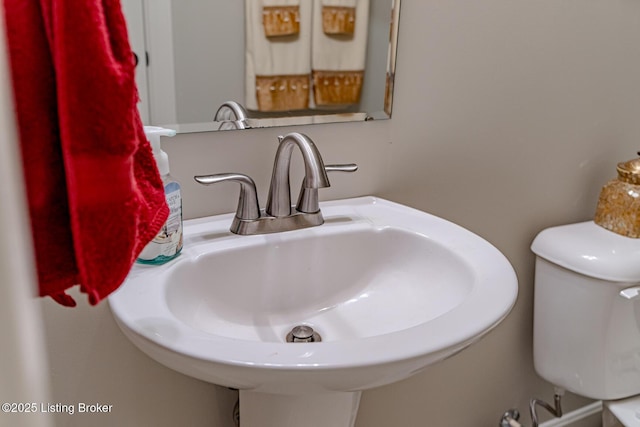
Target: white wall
22, 358
508, 118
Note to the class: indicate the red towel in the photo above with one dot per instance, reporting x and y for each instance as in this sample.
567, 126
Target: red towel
95, 196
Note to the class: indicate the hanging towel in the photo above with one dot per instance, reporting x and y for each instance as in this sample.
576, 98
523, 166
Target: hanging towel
338, 60
94, 193
339, 16
280, 17
278, 69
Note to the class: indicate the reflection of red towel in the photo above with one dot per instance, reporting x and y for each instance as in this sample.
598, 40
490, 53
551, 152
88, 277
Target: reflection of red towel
94, 192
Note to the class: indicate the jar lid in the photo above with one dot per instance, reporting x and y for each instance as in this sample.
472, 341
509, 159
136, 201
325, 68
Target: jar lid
629, 171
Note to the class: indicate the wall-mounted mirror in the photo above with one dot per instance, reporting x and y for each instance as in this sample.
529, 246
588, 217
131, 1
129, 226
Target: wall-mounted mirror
193, 57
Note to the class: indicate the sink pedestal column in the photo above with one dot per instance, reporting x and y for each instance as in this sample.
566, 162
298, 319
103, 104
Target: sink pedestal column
338, 409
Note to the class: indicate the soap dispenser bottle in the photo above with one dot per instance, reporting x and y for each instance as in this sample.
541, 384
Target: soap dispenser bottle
168, 243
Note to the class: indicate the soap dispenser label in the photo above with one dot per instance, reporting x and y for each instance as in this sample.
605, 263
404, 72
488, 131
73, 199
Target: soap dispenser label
168, 242
174, 201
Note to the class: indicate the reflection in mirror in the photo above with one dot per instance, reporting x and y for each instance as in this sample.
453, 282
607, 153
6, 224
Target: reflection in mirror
231, 115
201, 54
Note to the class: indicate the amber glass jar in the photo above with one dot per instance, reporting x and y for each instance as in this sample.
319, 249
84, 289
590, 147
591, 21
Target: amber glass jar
619, 203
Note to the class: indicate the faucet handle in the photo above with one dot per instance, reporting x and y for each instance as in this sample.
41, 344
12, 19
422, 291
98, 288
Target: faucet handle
347, 167
308, 199
248, 208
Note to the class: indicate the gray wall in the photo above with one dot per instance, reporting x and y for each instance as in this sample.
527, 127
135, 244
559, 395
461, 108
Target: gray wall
509, 116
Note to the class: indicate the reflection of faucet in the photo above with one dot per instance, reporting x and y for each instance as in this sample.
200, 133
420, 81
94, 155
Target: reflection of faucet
279, 215
232, 116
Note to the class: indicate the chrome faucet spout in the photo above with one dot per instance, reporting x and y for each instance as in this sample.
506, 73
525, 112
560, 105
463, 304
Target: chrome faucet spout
279, 201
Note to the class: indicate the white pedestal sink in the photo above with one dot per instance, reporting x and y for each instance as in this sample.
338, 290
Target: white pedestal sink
389, 289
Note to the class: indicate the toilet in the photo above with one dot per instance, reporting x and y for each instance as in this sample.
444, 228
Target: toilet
586, 335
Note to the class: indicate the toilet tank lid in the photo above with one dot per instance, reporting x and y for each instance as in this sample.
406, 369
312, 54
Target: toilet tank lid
590, 249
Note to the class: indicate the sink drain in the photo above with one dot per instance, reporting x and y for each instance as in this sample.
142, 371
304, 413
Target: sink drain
303, 333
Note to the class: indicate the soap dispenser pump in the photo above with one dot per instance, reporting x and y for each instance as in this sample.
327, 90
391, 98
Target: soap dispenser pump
168, 242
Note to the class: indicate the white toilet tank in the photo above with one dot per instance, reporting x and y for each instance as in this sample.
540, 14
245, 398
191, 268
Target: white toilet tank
586, 335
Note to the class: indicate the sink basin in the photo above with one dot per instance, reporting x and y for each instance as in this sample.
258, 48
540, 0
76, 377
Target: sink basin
349, 284
389, 289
